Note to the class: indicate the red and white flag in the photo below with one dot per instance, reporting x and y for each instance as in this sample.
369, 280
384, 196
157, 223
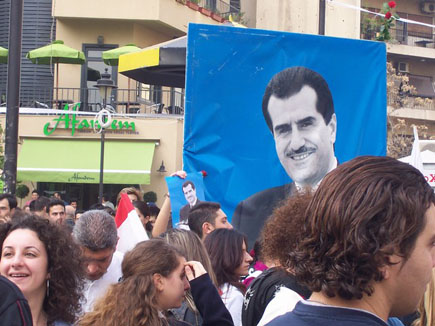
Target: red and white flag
130, 228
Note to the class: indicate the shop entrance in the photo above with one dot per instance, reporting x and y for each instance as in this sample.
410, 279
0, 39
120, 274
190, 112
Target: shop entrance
85, 194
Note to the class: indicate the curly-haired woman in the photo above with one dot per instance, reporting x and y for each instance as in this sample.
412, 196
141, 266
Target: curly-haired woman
43, 261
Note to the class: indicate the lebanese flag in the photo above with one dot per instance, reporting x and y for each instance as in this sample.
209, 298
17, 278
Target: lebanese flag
130, 228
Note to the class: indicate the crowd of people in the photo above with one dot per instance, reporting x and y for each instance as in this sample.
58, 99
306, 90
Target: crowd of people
360, 249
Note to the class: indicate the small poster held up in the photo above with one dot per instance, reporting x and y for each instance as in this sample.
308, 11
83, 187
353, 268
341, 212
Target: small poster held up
185, 195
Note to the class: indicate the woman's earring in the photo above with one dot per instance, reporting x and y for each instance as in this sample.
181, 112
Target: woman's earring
48, 287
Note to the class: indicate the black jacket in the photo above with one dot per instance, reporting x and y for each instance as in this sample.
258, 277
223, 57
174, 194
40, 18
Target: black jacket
251, 213
14, 309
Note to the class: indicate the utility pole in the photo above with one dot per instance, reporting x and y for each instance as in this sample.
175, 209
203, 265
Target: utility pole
13, 96
322, 10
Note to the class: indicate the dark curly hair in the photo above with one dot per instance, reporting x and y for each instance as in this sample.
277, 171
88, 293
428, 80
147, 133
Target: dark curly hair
66, 272
224, 247
363, 212
282, 230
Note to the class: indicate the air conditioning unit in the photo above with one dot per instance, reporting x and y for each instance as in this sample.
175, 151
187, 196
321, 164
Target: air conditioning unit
403, 67
427, 7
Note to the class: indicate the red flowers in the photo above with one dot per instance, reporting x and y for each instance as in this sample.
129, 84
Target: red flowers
388, 15
392, 4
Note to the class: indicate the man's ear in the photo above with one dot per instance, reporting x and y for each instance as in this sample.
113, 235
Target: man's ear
387, 270
158, 281
332, 125
207, 228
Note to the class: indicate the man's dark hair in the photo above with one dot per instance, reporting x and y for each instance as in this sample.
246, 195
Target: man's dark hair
363, 212
54, 202
154, 210
34, 191
203, 212
11, 200
142, 207
188, 182
289, 82
41, 203
106, 197
72, 200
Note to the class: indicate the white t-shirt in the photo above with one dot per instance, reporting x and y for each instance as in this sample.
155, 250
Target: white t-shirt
233, 301
94, 290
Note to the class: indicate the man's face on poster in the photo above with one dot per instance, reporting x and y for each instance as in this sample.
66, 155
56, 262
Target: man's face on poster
189, 194
304, 142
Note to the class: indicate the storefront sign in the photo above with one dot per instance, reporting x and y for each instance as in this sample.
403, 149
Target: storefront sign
71, 121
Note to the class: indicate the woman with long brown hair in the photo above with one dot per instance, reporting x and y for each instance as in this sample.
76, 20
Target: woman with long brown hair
230, 261
193, 249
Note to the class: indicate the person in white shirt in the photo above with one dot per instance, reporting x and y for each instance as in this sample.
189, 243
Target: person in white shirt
96, 234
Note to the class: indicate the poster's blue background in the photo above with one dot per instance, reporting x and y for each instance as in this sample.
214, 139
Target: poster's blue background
175, 187
227, 72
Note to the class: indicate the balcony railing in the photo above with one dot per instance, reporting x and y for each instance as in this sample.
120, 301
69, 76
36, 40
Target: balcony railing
219, 7
403, 33
143, 100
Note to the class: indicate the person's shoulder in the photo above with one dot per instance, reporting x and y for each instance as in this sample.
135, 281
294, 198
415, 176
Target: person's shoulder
286, 319
271, 194
118, 257
114, 272
230, 291
7, 287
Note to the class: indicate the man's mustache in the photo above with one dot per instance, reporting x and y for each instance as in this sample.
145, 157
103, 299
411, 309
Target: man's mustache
301, 150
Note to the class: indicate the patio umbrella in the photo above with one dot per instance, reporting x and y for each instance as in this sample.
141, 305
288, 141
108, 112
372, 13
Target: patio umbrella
3, 55
111, 58
56, 52
161, 64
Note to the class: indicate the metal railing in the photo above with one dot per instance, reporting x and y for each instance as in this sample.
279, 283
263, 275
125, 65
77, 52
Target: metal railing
410, 102
142, 100
221, 8
403, 33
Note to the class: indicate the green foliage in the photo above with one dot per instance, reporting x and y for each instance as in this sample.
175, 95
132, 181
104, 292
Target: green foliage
150, 197
22, 191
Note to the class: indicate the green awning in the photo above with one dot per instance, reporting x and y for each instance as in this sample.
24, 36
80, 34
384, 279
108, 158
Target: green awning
78, 161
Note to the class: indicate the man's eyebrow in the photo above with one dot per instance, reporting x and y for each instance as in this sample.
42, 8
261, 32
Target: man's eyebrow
281, 126
308, 120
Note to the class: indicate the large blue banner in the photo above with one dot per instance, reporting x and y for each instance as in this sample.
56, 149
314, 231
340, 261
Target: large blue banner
251, 123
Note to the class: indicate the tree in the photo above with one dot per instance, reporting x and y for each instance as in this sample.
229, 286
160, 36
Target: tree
401, 94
